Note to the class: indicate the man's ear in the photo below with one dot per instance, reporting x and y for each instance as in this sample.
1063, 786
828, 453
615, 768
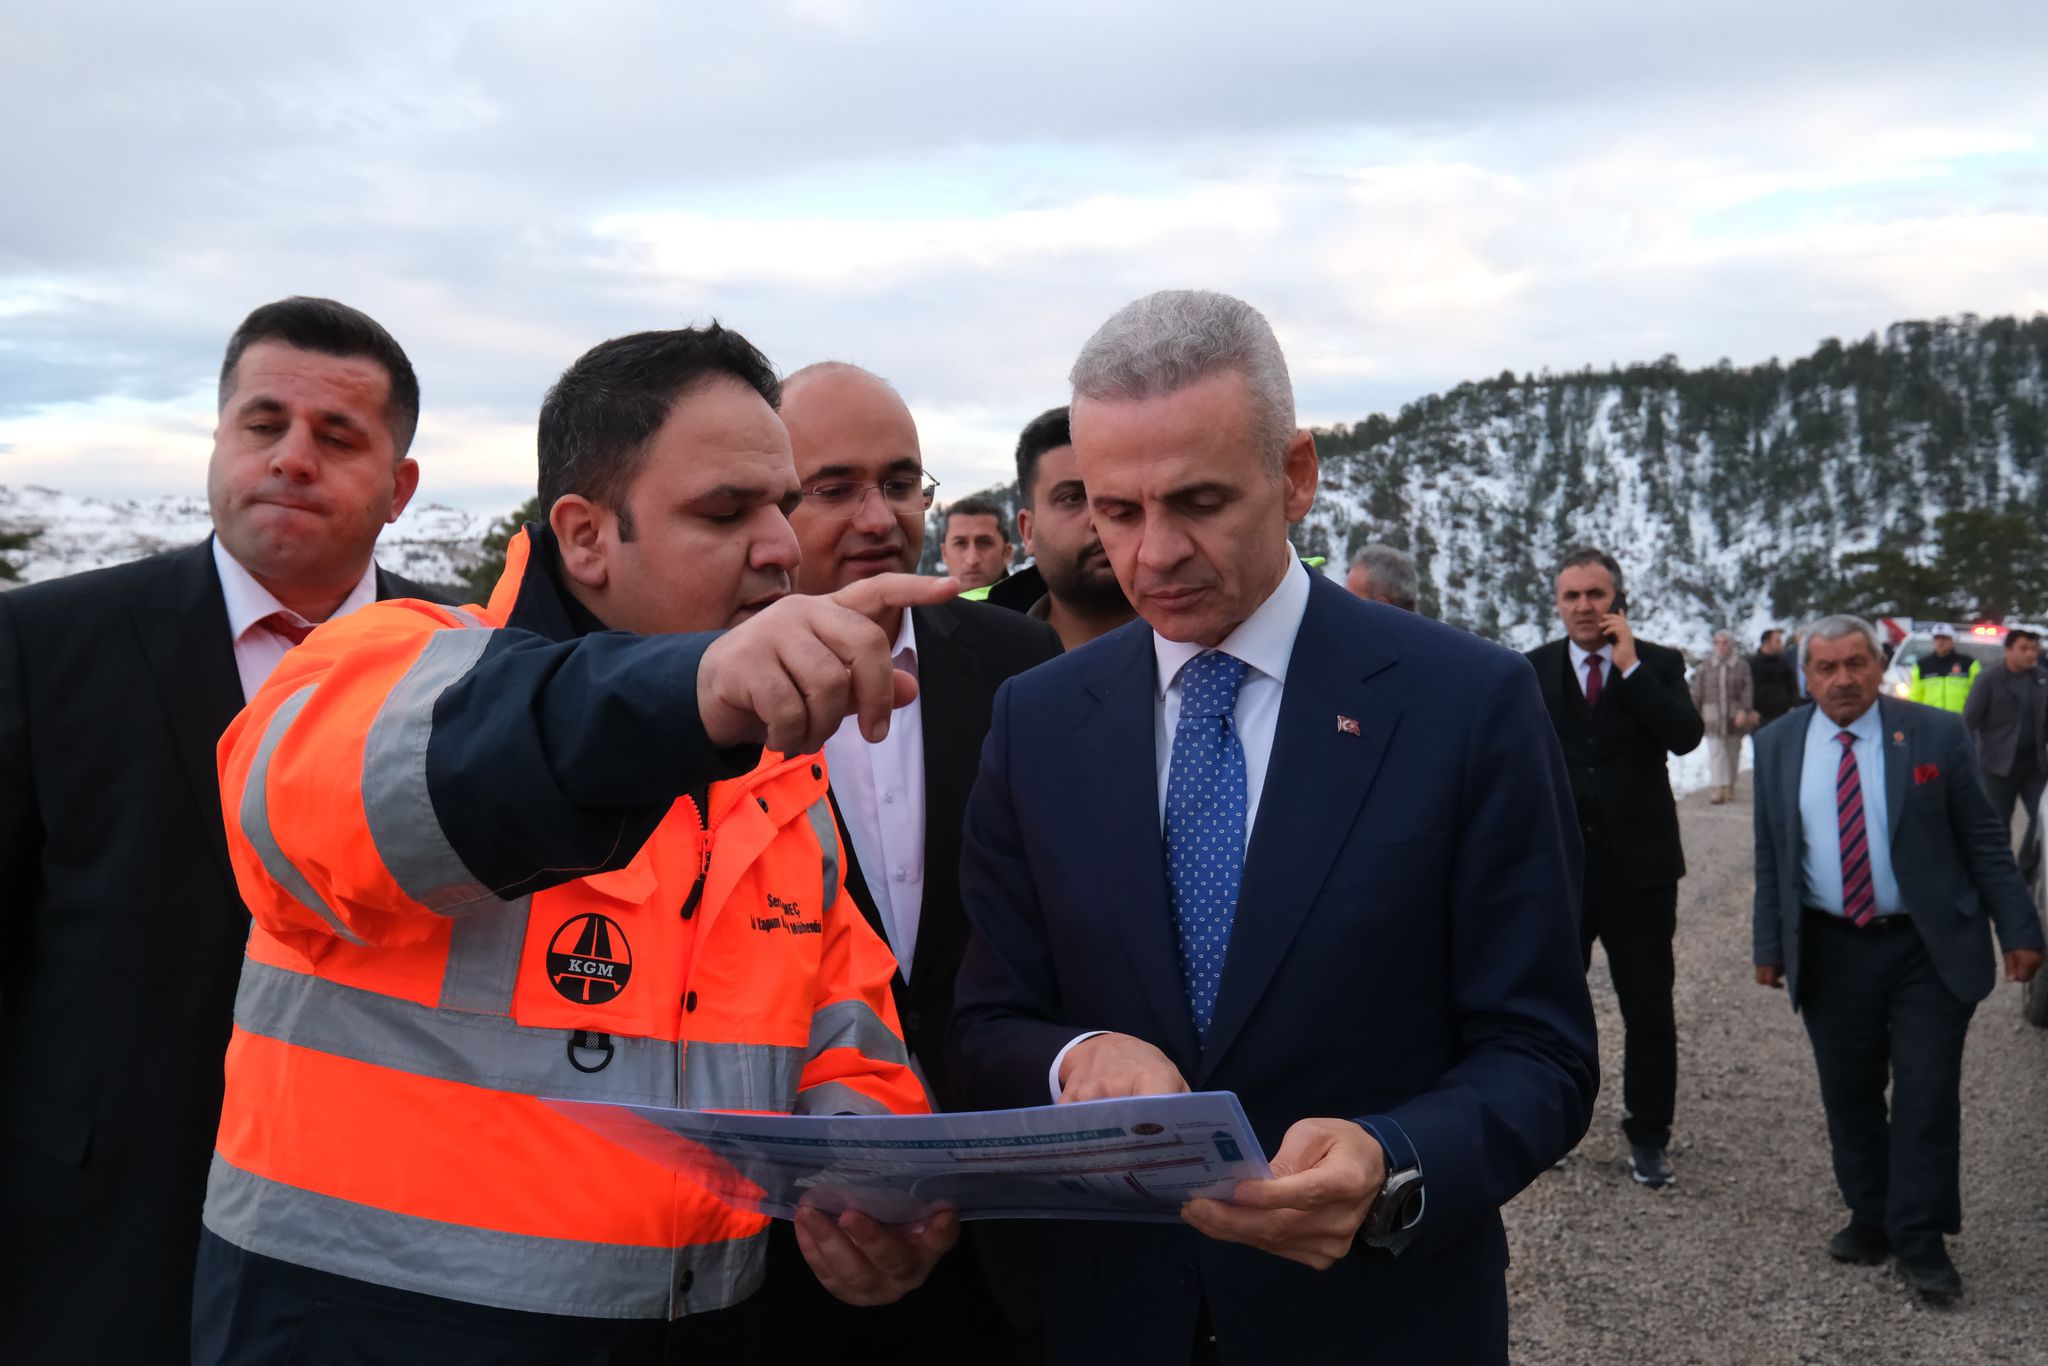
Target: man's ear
584, 530
1300, 469
405, 481
1024, 529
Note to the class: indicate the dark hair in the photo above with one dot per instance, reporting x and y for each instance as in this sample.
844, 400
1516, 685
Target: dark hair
1048, 431
1765, 638
2018, 634
332, 329
1589, 555
975, 507
596, 420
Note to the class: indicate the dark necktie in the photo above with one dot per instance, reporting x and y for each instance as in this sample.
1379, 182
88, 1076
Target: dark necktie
1205, 824
287, 627
1859, 900
1595, 680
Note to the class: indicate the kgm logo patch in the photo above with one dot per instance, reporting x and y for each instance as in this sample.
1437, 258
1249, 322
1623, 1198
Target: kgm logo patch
589, 960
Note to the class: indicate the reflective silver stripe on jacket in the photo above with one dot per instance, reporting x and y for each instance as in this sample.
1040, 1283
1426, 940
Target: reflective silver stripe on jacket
836, 1098
822, 825
396, 803
492, 1051
480, 1266
855, 1025
255, 816
483, 958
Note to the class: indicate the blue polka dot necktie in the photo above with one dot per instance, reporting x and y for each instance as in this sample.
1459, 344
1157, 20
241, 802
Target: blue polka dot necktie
1205, 823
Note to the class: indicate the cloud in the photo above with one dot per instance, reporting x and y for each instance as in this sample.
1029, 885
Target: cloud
956, 195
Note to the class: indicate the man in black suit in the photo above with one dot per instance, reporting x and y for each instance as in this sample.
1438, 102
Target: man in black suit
1620, 705
865, 493
125, 932
1881, 869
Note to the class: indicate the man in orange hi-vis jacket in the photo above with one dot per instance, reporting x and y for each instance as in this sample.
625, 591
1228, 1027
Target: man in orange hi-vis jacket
576, 843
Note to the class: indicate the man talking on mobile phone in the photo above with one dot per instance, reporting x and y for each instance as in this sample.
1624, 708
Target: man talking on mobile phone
1620, 705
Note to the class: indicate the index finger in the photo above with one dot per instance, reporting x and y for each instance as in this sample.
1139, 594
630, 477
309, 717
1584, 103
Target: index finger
1304, 1190
877, 597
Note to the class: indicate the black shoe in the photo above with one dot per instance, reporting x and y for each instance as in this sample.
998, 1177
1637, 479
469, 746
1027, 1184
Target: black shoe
1932, 1277
1650, 1166
1860, 1244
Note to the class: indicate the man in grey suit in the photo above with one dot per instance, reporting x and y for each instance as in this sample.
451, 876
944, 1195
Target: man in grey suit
2007, 715
1880, 870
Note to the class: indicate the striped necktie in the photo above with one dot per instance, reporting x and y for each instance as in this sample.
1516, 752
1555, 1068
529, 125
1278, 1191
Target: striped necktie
1859, 900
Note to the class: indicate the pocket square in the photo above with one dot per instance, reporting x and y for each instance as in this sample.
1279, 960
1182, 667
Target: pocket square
1925, 773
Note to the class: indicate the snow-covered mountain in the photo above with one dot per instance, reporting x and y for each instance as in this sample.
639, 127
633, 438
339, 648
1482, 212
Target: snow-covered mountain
431, 543
1729, 495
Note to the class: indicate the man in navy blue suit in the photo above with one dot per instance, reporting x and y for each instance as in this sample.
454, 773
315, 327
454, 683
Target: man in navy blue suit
1274, 840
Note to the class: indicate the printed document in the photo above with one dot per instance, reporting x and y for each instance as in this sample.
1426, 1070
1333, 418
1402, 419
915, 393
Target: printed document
1137, 1158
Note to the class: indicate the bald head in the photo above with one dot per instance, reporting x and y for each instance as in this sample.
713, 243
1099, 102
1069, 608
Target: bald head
850, 427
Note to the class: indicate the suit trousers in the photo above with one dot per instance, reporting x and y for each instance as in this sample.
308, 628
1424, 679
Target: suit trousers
2022, 787
1636, 926
1876, 1011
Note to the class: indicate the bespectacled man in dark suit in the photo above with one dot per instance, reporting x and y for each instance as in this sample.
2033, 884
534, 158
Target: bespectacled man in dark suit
898, 803
1274, 840
1881, 870
124, 927
1620, 706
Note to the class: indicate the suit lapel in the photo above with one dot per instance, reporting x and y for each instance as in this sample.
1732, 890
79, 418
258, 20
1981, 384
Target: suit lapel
1551, 663
1791, 764
1316, 781
183, 629
1117, 784
1897, 739
947, 688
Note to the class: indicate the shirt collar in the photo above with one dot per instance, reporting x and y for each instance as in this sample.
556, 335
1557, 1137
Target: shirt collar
1264, 640
1580, 655
1865, 727
906, 641
249, 602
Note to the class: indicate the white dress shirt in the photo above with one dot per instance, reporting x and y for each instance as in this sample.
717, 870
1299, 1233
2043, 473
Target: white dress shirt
259, 650
1264, 641
1820, 823
1606, 653
880, 790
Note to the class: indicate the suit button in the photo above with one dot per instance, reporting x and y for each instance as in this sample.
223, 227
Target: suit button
1186, 1274
913, 1021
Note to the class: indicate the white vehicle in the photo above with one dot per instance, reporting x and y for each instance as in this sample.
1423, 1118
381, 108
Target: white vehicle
1983, 642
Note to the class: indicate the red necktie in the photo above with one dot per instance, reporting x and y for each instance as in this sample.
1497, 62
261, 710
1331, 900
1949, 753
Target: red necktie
1859, 900
286, 626
1595, 680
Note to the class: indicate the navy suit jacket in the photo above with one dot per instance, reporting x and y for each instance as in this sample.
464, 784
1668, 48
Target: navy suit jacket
1405, 946
1951, 855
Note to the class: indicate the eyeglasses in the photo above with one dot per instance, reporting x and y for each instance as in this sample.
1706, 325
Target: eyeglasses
844, 498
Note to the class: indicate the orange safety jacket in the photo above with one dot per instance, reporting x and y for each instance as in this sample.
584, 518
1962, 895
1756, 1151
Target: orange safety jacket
407, 800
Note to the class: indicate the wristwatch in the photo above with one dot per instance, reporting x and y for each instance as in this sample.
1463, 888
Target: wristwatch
1392, 1218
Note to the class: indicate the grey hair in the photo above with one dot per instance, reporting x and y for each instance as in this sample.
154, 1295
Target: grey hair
1392, 571
1725, 634
1164, 342
1838, 627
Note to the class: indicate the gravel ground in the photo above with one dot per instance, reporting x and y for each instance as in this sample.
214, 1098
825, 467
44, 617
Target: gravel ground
1728, 1266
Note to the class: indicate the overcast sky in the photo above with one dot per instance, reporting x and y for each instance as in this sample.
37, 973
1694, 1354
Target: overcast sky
955, 195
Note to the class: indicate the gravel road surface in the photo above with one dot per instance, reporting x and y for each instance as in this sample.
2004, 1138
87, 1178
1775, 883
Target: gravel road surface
1728, 1266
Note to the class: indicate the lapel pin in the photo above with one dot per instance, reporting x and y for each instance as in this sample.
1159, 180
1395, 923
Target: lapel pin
1346, 726
1898, 737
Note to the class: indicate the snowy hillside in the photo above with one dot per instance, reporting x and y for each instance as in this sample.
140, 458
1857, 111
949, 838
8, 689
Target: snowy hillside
1729, 496
431, 543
